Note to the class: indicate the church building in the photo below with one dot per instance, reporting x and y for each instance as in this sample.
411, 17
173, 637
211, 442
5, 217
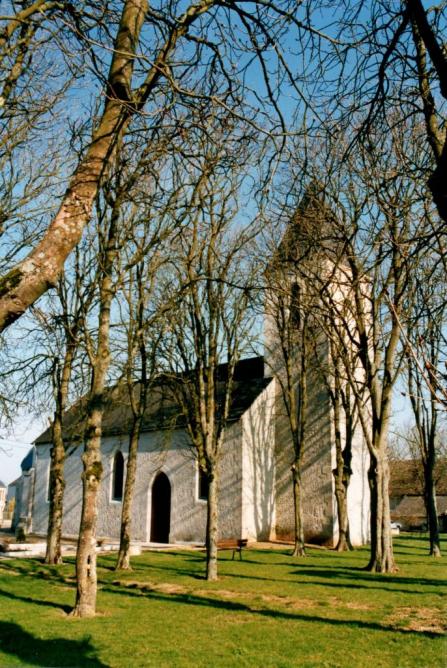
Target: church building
255, 493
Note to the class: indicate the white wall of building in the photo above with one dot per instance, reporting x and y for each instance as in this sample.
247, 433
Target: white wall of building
255, 482
258, 467
166, 451
358, 492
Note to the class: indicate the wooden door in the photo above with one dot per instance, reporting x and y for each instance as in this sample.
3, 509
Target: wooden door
161, 509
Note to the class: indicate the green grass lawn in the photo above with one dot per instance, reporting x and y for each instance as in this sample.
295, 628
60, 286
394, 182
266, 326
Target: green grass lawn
267, 610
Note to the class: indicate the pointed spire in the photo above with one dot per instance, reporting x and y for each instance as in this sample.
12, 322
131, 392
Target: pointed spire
311, 228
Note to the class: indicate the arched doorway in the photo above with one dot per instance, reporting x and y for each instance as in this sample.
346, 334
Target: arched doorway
161, 509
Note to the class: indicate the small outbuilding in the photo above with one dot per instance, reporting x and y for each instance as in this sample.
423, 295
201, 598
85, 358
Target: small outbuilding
407, 494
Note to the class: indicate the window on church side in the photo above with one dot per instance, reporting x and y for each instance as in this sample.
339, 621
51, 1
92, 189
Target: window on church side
203, 486
118, 477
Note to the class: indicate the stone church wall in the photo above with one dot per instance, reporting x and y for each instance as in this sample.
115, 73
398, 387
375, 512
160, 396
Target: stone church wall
318, 499
165, 451
317, 480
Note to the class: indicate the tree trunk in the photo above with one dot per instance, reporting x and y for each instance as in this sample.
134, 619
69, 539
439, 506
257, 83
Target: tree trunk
86, 580
86, 555
31, 277
57, 484
382, 557
342, 472
437, 182
211, 528
435, 48
432, 512
123, 561
341, 495
299, 549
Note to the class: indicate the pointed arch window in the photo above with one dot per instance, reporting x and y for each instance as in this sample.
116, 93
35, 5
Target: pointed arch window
203, 486
118, 477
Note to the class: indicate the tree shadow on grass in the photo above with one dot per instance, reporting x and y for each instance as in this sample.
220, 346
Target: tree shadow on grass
354, 577
33, 651
236, 606
414, 553
29, 599
370, 579
358, 578
390, 590
201, 574
331, 581
198, 575
34, 568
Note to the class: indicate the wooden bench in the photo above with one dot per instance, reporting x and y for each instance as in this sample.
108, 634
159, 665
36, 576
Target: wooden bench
235, 544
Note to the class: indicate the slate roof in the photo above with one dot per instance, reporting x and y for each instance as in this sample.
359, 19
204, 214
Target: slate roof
28, 460
311, 229
2, 484
162, 412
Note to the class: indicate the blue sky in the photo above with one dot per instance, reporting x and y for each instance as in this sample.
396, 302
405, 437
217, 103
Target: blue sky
15, 445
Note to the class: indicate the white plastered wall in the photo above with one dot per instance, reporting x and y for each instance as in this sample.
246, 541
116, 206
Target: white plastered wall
258, 467
358, 490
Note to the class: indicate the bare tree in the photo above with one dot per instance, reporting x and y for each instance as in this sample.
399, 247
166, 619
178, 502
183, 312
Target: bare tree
143, 62
345, 419
142, 341
290, 352
47, 373
75, 294
424, 343
112, 229
207, 286
128, 234
142, 318
99, 355
391, 56
304, 358
376, 218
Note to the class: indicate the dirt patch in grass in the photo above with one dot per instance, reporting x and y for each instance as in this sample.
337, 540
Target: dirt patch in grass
10, 571
429, 620
295, 603
351, 605
168, 588
222, 593
160, 587
287, 601
226, 594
